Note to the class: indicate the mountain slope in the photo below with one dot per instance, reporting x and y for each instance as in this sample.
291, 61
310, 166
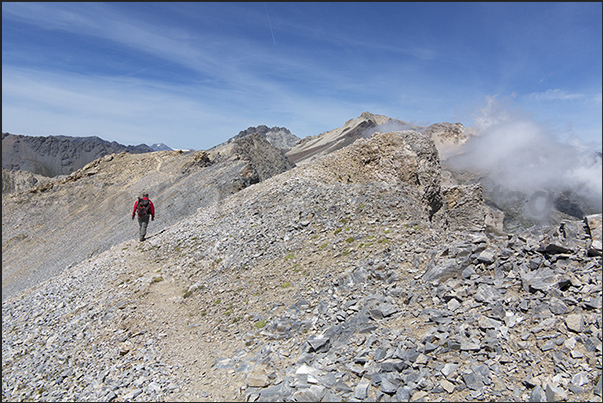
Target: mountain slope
68, 220
332, 281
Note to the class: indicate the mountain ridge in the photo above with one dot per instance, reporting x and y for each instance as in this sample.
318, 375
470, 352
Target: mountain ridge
320, 284
367, 274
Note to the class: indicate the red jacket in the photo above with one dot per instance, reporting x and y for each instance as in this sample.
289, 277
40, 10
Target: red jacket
150, 204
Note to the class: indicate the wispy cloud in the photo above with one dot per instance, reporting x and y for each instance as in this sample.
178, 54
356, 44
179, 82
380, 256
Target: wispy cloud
132, 110
190, 69
554, 95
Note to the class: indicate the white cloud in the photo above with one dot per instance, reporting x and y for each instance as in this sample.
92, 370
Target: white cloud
130, 110
553, 95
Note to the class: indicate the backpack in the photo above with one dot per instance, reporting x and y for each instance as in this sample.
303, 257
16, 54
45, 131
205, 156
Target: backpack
143, 207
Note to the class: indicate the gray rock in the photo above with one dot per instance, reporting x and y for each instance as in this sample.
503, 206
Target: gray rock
538, 394
473, 381
442, 270
579, 379
318, 344
575, 322
361, 390
388, 387
597, 389
487, 294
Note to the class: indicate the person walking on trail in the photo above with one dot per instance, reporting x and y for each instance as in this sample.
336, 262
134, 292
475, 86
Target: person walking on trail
145, 209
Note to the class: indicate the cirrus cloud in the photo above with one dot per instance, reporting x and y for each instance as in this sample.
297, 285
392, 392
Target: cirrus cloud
553, 95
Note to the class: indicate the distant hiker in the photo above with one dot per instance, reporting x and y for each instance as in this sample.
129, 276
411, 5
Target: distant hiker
145, 209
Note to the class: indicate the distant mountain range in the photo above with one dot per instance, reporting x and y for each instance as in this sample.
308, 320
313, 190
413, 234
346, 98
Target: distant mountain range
161, 147
52, 156
58, 155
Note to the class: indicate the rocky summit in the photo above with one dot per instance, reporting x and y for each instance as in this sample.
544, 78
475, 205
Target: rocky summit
361, 275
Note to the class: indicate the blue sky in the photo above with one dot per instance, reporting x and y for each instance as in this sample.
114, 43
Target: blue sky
192, 75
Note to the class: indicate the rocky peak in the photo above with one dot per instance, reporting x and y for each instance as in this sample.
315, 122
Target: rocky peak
279, 137
362, 127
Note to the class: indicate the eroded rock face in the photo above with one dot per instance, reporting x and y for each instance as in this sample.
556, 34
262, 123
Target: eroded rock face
466, 208
16, 181
407, 159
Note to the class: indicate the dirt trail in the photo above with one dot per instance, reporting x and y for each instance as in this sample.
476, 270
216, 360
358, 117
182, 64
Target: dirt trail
190, 332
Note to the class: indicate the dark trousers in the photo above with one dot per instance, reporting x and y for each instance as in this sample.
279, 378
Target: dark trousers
143, 222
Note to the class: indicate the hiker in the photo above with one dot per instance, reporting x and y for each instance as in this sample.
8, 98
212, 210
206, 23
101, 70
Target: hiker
144, 207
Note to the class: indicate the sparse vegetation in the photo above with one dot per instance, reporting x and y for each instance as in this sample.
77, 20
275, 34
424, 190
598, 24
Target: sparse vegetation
261, 323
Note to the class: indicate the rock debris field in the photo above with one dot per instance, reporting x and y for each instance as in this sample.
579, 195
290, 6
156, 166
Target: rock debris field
317, 285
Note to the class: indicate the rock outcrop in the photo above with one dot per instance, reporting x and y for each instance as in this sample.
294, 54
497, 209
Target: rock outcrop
16, 181
448, 137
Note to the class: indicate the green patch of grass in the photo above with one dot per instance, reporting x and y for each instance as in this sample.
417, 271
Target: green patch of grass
261, 323
290, 256
344, 221
157, 279
286, 285
217, 301
338, 230
350, 239
187, 294
323, 246
384, 240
